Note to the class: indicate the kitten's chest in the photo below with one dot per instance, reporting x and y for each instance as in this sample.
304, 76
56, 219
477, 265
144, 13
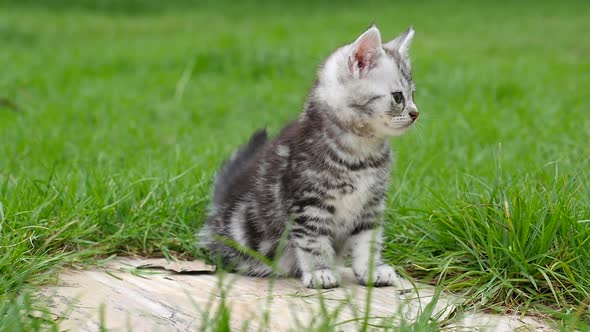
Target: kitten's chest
355, 194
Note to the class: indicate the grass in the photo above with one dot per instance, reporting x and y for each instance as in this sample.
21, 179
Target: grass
114, 116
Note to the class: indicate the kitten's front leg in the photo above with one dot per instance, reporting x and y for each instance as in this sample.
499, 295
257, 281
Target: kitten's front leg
315, 254
365, 243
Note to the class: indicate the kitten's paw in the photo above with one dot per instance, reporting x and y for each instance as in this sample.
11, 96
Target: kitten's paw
323, 278
383, 275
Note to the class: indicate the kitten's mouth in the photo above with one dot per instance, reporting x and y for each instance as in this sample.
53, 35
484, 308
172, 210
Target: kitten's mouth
405, 125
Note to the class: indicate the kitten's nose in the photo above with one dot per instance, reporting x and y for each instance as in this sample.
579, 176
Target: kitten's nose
414, 115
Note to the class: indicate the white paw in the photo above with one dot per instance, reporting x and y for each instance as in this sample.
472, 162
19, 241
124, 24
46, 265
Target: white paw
323, 278
383, 275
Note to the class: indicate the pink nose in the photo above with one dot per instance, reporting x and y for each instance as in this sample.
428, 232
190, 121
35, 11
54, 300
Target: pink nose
414, 115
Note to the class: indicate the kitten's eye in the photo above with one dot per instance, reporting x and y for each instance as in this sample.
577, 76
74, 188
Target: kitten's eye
398, 97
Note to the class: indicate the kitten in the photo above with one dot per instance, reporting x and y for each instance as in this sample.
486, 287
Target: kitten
325, 176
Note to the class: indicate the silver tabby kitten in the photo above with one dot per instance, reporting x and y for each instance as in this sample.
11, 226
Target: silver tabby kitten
327, 172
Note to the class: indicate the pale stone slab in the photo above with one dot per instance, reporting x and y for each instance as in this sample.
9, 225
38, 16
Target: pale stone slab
125, 298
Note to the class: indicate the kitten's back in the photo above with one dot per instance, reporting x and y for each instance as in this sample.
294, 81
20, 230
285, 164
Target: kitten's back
232, 168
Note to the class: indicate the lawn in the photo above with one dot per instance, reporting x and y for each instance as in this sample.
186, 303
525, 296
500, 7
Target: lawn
114, 116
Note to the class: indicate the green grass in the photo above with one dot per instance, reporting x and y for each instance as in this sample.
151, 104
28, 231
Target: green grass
114, 116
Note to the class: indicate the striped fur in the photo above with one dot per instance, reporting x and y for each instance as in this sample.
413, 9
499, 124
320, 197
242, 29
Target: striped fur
324, 177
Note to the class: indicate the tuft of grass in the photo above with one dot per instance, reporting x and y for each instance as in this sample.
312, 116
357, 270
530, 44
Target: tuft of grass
508, 245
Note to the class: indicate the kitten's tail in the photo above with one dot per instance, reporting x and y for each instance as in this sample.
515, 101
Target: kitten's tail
232, 166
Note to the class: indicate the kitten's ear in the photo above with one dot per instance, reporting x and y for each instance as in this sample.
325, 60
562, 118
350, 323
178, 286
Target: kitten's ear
365, 52
402, 42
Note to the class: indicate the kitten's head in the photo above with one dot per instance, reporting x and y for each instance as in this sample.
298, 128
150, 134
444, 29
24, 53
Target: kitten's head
368, 85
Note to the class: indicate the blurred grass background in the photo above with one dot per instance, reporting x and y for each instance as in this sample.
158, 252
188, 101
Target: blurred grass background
115, 114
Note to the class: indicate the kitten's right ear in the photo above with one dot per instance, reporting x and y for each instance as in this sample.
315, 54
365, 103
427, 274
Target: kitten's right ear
364, 52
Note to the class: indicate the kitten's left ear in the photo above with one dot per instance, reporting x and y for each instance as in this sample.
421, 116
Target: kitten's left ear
365, 51
402, 42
